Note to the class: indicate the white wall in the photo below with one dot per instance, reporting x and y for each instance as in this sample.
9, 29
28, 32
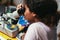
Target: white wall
58, 1
16, 2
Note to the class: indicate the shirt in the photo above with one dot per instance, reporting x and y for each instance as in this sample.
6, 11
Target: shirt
37, 31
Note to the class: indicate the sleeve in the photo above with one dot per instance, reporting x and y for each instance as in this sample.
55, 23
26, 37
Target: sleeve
30, 34
58, 27
36, 32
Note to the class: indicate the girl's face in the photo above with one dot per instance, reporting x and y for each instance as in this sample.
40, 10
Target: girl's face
28, 14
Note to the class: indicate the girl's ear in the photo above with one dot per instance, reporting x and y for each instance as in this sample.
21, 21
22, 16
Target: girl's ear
33, 14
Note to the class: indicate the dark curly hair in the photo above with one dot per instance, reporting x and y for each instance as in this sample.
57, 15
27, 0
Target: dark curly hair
43, 8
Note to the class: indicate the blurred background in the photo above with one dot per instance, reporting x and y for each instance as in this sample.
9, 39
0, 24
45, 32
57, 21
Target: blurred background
8, 6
